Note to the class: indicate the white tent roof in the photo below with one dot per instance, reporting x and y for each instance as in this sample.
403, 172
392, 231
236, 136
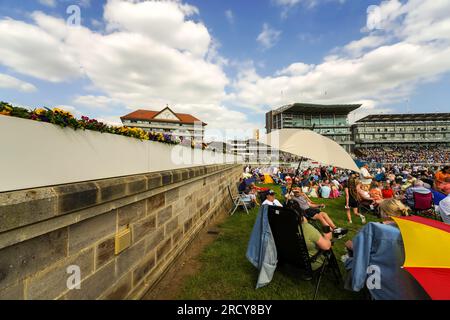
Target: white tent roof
311, 145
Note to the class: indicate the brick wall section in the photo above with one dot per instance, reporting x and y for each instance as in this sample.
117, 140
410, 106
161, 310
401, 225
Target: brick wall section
44, 231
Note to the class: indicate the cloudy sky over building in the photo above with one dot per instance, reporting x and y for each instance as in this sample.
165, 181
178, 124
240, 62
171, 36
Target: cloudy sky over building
226, 62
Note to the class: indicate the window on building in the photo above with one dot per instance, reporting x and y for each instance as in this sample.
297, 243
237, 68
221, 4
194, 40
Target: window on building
340, 120
315, 120
307, 120
327, 120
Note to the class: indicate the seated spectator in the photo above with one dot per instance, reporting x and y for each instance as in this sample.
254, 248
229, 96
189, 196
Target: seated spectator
253, 194
242, 185
305, 190
288, 181
409, 182
445, 187
392, 208
334, 192
313, 211
409, 194
313, 189
442, 180
396, 187
315, 241
375, 192
391, 176
336, 183
364, 195
387, 191
270, 199
444, 209
325, 190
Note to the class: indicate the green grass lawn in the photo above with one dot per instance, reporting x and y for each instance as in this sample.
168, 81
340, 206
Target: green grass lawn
227, 274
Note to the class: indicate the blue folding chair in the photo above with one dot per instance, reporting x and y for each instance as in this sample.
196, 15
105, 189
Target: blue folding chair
437, 196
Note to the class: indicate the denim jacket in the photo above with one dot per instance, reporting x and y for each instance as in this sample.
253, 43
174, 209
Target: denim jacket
378, 248
261, 250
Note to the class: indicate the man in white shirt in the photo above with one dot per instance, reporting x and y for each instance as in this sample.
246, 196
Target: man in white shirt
270, 199
365, 176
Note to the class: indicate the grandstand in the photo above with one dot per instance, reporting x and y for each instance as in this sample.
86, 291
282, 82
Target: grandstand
403, 130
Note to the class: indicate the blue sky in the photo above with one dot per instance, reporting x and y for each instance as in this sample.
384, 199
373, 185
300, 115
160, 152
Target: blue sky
227, 62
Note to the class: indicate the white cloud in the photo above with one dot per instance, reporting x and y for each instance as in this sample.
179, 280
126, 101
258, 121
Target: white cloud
230, 16
150, 54
30, 50
355, 48
48, 3
295, 69
96, 102
160, 21
10, 82
288, 5
382, 68
111, 120
268, 37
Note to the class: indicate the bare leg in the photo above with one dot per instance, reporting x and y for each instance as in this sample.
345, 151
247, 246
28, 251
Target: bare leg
328, 220
321, 219
349, 216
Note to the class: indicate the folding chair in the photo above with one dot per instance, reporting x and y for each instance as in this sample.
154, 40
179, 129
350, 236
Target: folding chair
424, 205
437, 196
238, 201
291, 246
364, 207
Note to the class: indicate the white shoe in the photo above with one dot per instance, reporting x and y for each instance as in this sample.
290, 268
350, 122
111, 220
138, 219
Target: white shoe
363, 219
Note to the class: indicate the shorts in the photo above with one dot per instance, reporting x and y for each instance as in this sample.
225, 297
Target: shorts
311, 212
352, 203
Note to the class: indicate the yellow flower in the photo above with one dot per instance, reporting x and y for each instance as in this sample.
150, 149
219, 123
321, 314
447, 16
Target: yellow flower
62, 112
40, 111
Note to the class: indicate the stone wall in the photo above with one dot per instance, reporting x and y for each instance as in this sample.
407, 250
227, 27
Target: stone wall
44, 231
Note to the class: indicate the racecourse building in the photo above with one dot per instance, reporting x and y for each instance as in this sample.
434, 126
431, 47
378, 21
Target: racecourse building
403, 130
166, 121
328, 120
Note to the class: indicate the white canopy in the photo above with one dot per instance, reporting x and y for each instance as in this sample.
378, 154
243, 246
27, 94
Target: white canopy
311, 145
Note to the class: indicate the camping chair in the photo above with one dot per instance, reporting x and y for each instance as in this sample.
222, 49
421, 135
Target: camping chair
292, 249
364, 207
424, 205
437, 196
238, 201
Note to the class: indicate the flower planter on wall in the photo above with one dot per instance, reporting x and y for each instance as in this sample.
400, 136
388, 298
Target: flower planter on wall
35, 154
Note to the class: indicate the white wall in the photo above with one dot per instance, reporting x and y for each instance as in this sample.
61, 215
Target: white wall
35, 154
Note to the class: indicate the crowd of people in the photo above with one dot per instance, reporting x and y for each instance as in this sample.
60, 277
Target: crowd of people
386, 190
422, 155
379, 190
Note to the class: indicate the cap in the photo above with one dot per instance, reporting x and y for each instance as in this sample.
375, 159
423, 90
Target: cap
271, 192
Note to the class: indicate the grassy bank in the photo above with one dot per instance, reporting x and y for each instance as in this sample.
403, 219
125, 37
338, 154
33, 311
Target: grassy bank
227, 274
